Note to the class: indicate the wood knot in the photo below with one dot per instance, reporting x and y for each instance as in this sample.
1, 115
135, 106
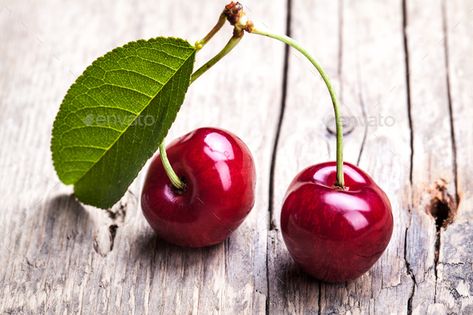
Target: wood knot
443, 206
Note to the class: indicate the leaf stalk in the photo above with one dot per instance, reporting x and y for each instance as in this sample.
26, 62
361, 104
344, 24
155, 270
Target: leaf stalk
234, 40
221, 21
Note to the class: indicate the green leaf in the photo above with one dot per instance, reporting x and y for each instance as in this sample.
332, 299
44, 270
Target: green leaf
116, 114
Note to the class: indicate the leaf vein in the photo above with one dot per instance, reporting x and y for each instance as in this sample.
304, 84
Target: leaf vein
90, 127
135, 72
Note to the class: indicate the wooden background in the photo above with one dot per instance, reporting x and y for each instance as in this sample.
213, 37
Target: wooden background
404, 73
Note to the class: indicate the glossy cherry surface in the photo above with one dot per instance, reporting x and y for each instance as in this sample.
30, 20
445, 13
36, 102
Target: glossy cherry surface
218, 171
335, 235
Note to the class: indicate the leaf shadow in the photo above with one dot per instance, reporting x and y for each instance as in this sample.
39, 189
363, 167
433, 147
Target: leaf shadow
57, 224
65, 216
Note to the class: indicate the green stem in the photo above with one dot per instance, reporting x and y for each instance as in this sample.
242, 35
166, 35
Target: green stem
201, 43
175, 180
336, 107
230, 45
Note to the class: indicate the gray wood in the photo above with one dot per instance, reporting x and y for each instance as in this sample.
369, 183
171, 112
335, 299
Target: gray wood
455, 267
367, 45
433, 160
404, 74
391, 69
57, 256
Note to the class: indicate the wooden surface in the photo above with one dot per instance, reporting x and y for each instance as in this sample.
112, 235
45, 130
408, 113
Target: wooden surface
404, 73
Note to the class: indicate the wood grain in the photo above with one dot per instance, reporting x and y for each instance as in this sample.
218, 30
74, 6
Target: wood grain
432, 154
404, 74
365, 45
59, 255
455, 267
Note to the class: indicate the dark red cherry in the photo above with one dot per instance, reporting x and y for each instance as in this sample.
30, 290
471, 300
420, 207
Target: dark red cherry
335, 235
219, 175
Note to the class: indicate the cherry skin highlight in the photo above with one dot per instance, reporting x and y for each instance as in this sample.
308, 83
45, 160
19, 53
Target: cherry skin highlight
219, 175
335, 234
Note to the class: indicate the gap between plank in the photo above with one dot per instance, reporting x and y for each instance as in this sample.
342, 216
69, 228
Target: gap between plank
340, 49
449, 98
409, 270
453, 138
282, 111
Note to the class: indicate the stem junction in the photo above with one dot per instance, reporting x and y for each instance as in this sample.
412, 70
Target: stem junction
234, 40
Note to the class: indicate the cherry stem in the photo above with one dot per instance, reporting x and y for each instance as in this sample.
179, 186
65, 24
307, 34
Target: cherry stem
221, 21
175, 180
228, 47
336, 106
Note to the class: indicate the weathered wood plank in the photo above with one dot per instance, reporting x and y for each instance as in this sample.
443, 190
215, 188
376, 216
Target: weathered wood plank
302, 141
433, 173
455, 266
57, 255
372, 65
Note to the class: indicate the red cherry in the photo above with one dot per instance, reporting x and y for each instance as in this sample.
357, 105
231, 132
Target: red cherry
335, 234
218, 171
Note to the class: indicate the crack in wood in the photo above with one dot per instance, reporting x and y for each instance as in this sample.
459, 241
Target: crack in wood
340, 48
113, 233
450, 105
365, 116
409, 269
411, 274
271, 224
408, 86
443, 206
443, 209
103, 244
282, 111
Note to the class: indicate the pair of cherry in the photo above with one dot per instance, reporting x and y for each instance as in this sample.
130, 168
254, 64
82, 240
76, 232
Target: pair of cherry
334, 233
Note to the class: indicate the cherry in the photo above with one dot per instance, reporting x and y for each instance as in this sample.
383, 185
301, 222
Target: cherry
218, 172
335, 234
